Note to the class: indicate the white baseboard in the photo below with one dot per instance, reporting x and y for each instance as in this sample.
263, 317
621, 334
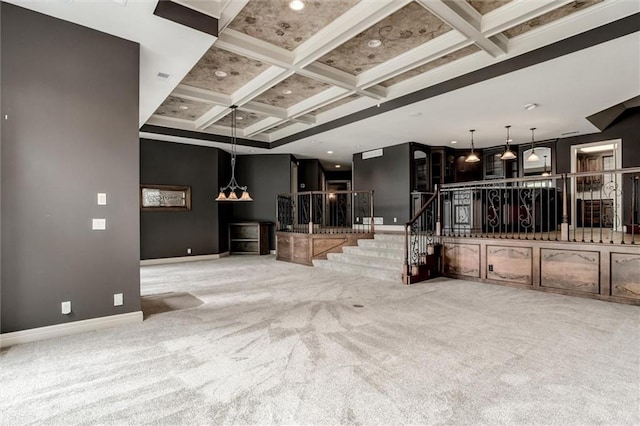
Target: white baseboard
272, 251
164, 260
59, 330
389, 227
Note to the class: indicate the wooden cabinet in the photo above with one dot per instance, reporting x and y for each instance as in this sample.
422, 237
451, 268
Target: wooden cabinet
249, 238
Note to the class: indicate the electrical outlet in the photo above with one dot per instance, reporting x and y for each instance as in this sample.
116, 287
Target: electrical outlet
66, 307
395, 220
188, 251
118, 299
102, 199
490, 268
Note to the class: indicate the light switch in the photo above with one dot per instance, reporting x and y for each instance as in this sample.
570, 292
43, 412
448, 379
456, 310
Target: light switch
117, 299
99, 224
66, 307
102, 199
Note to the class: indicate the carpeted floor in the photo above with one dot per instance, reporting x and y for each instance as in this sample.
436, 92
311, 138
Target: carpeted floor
277, 343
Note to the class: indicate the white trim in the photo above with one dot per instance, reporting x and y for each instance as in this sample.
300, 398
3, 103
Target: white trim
60, 330
272, 251
389, 228
165, 260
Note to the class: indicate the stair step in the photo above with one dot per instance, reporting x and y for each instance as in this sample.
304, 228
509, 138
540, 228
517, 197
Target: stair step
374, 252
399, 238
366, 271
372, 261
382, 244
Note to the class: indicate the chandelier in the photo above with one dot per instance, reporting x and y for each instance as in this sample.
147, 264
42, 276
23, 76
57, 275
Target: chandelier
233, 184
508, 154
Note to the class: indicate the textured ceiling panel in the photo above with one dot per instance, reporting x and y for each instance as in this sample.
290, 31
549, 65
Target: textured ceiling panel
239, 71
431, 65
274, 22
486, 6
405, 29
335, 104
182, 108
244, 119
561, 12
300, 89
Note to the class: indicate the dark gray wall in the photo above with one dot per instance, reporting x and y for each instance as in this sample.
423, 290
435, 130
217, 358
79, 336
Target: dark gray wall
626, 127
71, 96
389, 177
171, 233
337, 175
266, 176
309, 174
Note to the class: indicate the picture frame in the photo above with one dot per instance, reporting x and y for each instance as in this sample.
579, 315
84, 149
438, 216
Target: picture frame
165, 197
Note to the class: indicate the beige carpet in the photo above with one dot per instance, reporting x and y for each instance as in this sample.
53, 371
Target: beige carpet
276, 343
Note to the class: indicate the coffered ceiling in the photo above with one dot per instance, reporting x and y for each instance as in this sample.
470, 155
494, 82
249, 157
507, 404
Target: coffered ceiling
298, 76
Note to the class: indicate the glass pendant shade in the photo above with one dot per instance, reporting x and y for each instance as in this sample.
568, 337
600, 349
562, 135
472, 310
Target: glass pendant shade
533, 156
233, 184
508, 154
472, 158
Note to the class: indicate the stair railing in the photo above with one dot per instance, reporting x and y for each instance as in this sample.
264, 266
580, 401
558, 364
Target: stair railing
421, 234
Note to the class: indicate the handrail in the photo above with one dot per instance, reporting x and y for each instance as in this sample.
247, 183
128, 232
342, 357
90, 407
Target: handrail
424, 207
318, 212
419, 239
626, 170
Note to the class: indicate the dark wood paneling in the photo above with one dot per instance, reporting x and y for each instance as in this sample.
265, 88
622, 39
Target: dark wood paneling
512, 264
625, 275
571, 270
303, 248
462, 259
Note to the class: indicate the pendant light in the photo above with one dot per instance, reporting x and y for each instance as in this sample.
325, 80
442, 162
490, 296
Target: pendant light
233, 184
545, 172
472, 158
533, 156
508, 154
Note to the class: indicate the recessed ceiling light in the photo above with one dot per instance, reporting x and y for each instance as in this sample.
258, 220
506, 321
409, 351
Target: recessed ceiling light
454, 142
529, 107
415, 114
220, 73
296, 5
183, 107
358, 146
338, 166
239, 118
374, 43
329, 152
286, 92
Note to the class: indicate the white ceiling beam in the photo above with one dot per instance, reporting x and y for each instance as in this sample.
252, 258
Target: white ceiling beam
305, 119
344, 28
310, 104
261, 84
244, 45
515, 13
229, 11
172, 122
427, 52
211, 116
264, 109
339, 78
201, 95
261, 126
464, 18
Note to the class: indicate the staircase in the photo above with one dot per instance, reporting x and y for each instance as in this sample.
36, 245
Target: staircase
381, 258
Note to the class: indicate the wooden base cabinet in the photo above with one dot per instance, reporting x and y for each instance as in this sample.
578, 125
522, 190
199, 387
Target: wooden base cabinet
249, 238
